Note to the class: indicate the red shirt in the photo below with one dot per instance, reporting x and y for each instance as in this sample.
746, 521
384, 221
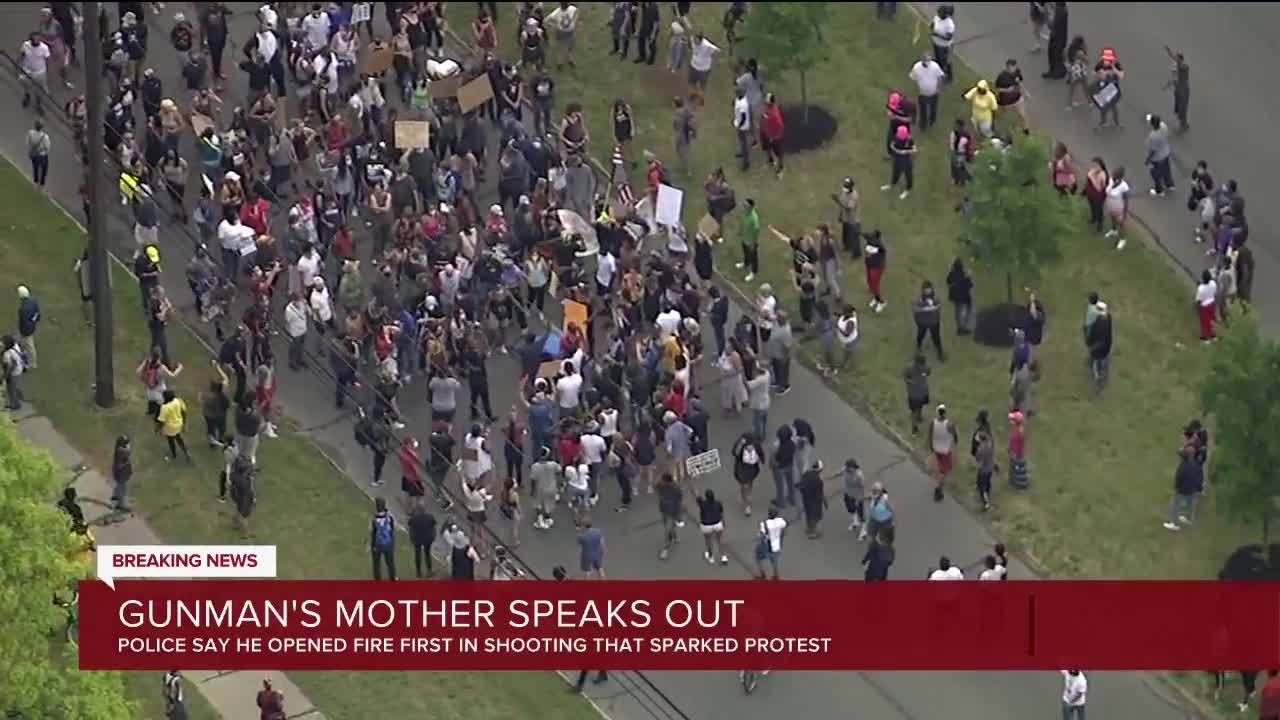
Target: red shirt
1269, 704
654, 176
568, 449
343, 245
270, 703
771, 123
410, 465
674, 402
335, 136
254, 215
1016, 442
382, 345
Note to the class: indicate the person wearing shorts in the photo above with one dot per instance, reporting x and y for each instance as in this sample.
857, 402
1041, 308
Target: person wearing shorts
711, 520
703, 50
591, 545
942, 441
1116, 206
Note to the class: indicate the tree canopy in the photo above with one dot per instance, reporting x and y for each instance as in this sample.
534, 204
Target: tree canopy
1241, 393
1015, 217
786, 37
40, 557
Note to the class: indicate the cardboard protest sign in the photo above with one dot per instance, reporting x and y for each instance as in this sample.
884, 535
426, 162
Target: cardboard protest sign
575, 313
380, 59
475, 93
200, 123
445, 87
412, 134
670, 202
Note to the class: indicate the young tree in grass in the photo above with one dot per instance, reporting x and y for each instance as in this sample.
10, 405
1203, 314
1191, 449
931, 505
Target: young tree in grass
1241, 393
41, 559
1015, 218
787, 37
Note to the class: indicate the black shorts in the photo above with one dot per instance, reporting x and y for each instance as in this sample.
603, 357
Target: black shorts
411, 488
853, 505
917, 405
245, 508
443, 415
477, 516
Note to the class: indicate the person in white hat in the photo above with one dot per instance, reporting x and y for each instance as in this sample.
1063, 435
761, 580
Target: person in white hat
942, 442
28, 321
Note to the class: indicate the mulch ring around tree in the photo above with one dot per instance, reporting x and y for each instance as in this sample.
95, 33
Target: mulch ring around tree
993, 325
807, 134
1252, 562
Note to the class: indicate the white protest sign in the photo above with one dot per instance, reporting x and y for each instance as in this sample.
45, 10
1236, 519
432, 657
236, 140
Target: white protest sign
185, 561
670, 200
703, 463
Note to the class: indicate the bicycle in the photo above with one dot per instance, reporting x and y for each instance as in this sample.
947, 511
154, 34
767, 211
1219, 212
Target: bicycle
750, 678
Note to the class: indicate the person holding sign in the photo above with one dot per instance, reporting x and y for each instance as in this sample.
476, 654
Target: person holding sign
1106, 89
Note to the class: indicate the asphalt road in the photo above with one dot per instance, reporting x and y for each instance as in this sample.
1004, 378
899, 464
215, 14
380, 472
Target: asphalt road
1230, 48
926, 529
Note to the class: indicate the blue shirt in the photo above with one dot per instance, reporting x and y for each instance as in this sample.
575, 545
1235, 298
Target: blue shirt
592, 543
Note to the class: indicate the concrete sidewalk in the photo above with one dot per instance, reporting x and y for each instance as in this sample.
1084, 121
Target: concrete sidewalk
232, 694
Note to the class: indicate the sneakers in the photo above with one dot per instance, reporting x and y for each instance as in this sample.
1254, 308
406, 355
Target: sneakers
883, 188
1120, 243
749, 277
862, 534
1110, 233
376, 483
903, 195
853, 525
739, 266
664, 553
1184, 520
270, 431
724, 559
1156, 193
680, 523
708, 557
880, 306
1171, 526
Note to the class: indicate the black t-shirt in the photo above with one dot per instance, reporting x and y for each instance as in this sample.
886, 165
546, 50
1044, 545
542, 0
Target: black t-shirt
441, 445
232, 351
902, 148
1006, 81
1110, 75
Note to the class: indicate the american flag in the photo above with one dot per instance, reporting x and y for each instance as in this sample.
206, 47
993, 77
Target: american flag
624, 196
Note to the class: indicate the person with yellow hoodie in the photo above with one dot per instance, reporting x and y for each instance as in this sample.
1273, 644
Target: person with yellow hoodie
170, 422
982, 107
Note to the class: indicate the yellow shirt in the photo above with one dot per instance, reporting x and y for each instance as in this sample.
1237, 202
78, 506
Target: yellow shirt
172, 415
983, 104
670, 351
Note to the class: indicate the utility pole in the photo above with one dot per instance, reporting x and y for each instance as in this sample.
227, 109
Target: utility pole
99, 267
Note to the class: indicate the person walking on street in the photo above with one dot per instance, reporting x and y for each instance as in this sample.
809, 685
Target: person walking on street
879, 556
855, 494
748, 457
382, 540
769, 544
782, 464
602, 677
297, 317
670, 506
1158, 156
778, 347
121, 472
1180, 82
983, 450
33, 58
174, 703
270, 701
38, 143
758, 398
812, 499
711, 520
942, 443
28, 321
591, 551
422, 533
1075, 689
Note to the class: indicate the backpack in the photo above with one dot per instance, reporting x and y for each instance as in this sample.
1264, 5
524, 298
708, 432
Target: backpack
363, 436
382, 531
750, 456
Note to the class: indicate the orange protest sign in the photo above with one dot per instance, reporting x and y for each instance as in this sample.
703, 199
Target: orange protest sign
575, 313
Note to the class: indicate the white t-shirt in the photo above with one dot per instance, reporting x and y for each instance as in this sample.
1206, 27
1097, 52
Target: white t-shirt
322, 305
703, 52
1074, 689
473, 469
847, 328
996, 573
568, 388
772, 528
606, 268
1117, 191
564, 19
578, 478
35, 58
668, 323
592, 448
768, 307
951, 573
308, 269
267, 44
608, 422
941, 27
234, 236
296, 317
741, 113
927, 76
1206, 293
316, 28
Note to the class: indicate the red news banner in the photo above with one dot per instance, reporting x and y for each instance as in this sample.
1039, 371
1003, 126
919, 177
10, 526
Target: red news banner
702, 625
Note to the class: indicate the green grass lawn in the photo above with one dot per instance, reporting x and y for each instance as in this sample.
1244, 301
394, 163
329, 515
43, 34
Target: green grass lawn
1101, 468
309, 510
